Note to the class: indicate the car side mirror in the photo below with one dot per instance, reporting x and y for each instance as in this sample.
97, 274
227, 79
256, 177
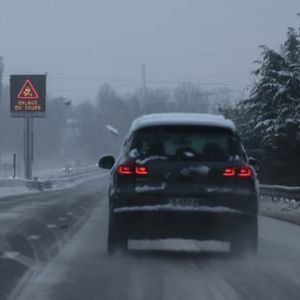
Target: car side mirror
106, 162
255, 164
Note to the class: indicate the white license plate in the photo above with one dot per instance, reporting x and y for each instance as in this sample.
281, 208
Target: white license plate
185, 201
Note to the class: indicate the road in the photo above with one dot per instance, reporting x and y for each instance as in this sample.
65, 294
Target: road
71, 261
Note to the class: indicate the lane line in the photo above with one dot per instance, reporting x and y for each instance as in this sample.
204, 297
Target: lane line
33, 237
50, 226
10, 255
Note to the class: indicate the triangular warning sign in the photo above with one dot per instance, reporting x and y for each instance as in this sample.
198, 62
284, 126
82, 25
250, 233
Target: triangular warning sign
28, 92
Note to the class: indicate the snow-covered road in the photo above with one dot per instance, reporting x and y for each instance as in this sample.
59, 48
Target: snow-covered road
166, 270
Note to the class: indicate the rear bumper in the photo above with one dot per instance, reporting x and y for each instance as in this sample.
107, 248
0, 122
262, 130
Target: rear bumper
247, 204
201, 224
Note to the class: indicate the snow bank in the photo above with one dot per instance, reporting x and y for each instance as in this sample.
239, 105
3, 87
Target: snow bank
14, 191
59, 184
281, 187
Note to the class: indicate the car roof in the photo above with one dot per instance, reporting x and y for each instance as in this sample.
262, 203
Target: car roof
198, 119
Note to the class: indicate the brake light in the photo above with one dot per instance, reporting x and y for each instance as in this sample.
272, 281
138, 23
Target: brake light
125, 169
229, 172
244, 172
240, 172
141, 171
129, 169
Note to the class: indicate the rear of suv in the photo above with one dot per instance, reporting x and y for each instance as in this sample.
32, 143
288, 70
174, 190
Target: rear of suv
182, 176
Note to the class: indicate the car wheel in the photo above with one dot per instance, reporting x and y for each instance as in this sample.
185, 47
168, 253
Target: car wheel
116, 240
246, 242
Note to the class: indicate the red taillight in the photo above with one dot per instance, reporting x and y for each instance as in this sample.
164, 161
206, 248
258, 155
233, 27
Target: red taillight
141, 171
228, 172
244, 172
240, 172
125, 169
129, 169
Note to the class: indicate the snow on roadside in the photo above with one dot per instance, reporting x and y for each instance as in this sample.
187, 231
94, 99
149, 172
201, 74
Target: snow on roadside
23, 190
15, 190
266, 204
283, 209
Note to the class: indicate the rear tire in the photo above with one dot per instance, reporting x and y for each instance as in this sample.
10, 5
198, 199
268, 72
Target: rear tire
116, 240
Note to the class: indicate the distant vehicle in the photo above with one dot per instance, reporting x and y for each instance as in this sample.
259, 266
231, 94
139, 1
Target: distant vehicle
183, 176
67, 169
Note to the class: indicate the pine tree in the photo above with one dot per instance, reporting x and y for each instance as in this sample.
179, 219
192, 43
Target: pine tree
270, 118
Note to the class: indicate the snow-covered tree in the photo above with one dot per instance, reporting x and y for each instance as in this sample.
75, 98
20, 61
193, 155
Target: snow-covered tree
270, 119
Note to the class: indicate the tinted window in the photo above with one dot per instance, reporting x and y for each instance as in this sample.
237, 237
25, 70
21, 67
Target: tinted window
187, 142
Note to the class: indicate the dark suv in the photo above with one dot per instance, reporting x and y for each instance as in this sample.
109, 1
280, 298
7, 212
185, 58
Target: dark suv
182, 176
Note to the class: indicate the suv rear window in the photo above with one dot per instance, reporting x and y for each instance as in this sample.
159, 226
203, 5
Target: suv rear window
187, 142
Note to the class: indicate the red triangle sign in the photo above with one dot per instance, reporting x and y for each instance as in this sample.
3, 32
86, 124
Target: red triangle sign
28, 92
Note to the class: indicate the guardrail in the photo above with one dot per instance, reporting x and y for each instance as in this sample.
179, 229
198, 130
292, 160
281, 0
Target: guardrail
43, 184
10, 182
277, 191
39, 184
74, 177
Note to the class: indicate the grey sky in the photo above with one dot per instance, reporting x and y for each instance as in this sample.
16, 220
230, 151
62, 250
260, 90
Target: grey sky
82, 44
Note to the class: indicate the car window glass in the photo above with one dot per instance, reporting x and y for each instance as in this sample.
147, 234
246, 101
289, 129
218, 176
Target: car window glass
187, 142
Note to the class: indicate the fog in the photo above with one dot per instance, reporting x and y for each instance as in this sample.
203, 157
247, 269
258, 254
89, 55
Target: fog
197, 57
82, 44
109, 62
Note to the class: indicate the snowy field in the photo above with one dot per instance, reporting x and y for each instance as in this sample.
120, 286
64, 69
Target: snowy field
14, 190
14, 187
286, 210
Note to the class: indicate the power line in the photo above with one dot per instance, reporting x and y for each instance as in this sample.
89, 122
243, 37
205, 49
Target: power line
91, 77
154, 82
171, 83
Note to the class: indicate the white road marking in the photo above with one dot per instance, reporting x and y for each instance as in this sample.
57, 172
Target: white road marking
5, 216
50, 226
10, 255
33, 237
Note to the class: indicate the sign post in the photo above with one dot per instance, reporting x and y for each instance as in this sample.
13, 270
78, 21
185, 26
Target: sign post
28, 101
15, 165
28, 146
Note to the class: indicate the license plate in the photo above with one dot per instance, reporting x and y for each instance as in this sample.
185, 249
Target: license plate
192, 202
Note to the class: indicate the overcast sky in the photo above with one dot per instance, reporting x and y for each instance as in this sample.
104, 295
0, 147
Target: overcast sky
81, 44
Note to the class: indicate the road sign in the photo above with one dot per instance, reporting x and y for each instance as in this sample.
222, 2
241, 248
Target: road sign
28, 92
28, 95
28, 100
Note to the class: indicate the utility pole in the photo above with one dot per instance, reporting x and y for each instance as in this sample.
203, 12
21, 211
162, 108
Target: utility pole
144, 86
15, 165
28, 146
1, 76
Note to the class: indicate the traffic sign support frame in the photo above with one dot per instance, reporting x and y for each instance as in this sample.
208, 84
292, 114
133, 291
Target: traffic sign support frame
28, 146
28, 101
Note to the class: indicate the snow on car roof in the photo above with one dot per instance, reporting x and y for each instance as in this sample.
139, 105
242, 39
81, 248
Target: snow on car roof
181, 119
